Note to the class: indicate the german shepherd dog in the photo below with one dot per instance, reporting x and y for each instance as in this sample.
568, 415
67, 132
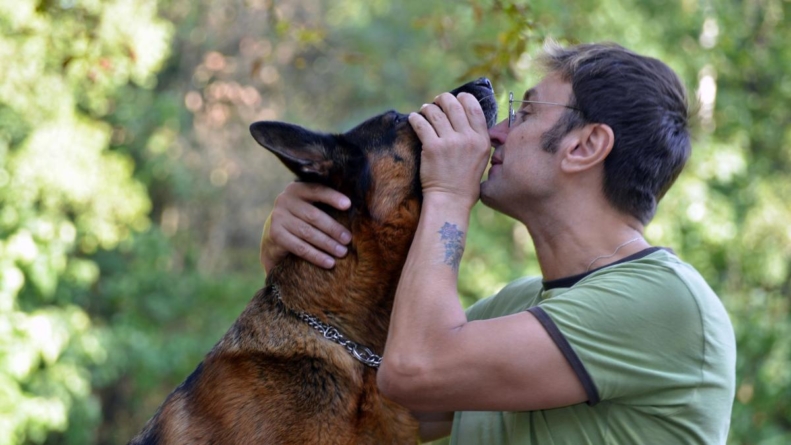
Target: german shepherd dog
277, 376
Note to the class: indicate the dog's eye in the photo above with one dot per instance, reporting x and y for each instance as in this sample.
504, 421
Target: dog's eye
398, 119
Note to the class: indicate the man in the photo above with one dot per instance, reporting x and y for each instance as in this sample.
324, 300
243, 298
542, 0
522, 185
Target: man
619, 342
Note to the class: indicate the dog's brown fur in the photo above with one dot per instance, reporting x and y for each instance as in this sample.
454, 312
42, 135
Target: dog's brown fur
272, 379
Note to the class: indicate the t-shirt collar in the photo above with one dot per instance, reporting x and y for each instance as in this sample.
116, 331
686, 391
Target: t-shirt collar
574, 279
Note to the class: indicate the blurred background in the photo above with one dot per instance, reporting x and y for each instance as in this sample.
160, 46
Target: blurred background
132, 196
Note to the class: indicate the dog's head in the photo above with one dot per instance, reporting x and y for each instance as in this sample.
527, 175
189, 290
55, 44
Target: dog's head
375, 164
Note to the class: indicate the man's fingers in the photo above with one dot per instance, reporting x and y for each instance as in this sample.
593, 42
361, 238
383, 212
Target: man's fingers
454, 111
302, 249
474, 113
437, 118
297, 226
448, 115
310, 217
425, 132
298, 199
318, 237
303, 240
318, 193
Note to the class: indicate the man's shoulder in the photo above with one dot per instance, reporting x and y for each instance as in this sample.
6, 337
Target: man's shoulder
661, 272
659, 295
514, 297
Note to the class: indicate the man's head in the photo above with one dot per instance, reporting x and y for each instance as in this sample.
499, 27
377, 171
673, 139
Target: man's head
644, 103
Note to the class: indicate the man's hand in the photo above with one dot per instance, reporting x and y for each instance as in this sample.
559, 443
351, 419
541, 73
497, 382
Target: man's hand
299, 227
456, 147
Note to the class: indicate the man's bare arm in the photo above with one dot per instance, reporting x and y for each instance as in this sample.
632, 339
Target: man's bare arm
435, 360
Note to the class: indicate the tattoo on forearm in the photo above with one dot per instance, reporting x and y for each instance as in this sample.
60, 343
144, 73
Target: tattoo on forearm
454, 244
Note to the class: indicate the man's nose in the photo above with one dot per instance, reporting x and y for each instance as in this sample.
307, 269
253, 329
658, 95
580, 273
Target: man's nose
498, 133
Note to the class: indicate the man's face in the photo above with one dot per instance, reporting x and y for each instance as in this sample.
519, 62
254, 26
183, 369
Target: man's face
522, 173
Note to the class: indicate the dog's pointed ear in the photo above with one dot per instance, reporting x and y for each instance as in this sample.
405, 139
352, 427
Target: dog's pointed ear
304, 152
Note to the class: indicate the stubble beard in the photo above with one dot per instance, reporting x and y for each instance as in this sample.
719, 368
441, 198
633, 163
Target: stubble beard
489, 196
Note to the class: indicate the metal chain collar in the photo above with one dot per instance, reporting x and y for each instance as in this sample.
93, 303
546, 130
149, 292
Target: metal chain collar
362, 353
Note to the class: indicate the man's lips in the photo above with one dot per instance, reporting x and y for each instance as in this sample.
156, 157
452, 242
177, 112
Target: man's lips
495, 164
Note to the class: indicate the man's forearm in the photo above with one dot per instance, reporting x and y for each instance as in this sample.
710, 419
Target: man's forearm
427, 309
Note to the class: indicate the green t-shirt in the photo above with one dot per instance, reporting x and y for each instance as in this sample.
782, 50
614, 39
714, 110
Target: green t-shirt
651, 344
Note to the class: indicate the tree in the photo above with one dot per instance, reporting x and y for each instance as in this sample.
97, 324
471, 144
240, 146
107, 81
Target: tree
63, 195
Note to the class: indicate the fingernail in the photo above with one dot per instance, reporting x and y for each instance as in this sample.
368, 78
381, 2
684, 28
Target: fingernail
346, 237
327, 263
344, 202
424, 106
340, 251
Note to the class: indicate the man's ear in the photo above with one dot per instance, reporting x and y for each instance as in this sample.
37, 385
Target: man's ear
304, 152
593, 144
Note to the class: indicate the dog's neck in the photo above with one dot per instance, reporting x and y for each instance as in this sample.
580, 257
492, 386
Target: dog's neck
356, 296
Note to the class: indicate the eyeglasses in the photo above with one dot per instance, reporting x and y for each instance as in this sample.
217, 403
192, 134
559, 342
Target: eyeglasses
512, 112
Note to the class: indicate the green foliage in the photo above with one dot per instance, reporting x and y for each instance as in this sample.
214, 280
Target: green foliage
63, 196
132, 197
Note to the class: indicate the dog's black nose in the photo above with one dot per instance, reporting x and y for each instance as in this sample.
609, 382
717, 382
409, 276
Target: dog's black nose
484, 82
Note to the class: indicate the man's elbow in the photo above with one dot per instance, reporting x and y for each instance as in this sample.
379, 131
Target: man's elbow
403, 383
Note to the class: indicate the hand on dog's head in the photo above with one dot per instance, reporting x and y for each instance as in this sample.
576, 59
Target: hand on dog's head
341, 161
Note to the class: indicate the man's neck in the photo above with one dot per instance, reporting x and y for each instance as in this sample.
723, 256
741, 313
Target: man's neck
577, 240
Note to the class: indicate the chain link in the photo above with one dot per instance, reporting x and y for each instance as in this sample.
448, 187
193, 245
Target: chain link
362, 353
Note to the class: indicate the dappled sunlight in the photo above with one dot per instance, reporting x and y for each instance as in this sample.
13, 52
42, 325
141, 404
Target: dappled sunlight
707, 96
63, 195
63, 163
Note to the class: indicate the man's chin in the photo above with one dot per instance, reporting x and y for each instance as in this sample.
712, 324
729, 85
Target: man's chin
487, 197
495, 201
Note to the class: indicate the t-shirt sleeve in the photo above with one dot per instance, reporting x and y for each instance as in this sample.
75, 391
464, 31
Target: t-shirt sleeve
632, 337
478, 310
513, 298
